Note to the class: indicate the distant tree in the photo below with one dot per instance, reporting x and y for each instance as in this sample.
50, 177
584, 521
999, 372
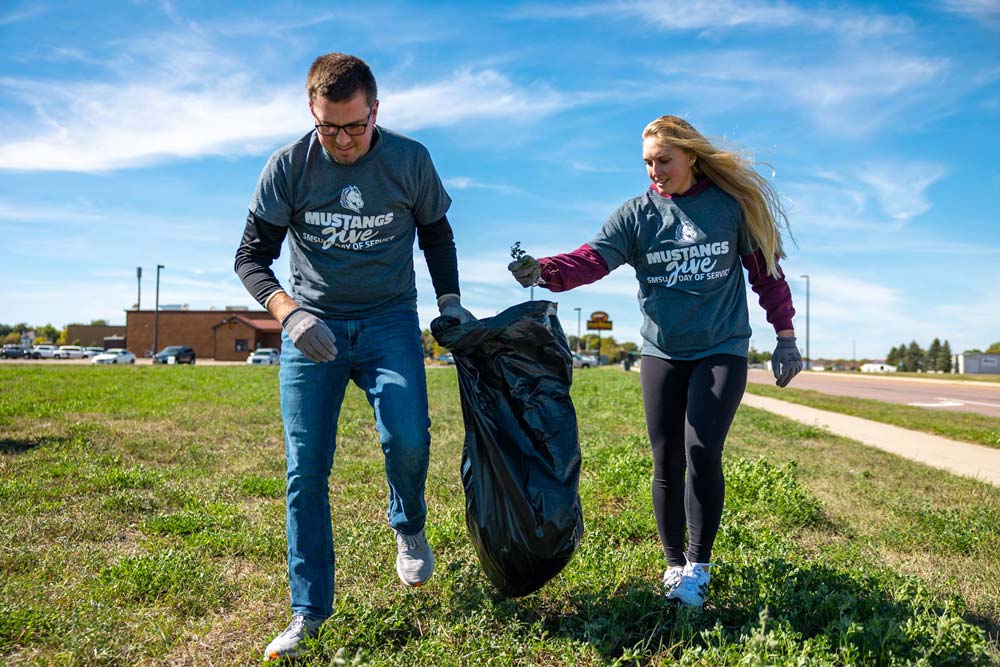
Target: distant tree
894, 358
427, 342
994, 348
756, 357
974, 350
98, 323
12, 337
18, 328
914, 359
944, 359
933, 355
48, 332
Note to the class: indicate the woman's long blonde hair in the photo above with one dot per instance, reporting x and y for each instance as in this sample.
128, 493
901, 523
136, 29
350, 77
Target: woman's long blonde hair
735, 174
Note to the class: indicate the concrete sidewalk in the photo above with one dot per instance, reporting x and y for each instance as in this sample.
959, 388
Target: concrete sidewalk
962, 458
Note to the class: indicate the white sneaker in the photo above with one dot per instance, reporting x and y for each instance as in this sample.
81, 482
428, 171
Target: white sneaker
414, 559
672, 578
286, 645
694, 583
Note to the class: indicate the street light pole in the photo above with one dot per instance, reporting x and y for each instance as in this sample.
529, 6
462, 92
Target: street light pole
138, 297
808, 358
577, 330
156, 312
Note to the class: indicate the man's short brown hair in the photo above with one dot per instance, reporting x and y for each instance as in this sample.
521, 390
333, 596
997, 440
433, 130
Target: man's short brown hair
338, 76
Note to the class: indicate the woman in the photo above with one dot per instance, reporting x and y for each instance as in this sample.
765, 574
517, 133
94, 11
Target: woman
706, 211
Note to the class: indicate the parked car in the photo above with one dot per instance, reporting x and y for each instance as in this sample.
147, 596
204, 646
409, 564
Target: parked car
174, 354
583, 361
14, 351
265, 356
43, 351
68, 352
116, 355
446, 358
89, 352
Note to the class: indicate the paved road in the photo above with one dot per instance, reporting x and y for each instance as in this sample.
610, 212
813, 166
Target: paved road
934, 394
963, 458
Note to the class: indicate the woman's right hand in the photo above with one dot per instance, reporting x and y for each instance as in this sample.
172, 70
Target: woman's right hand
526, 271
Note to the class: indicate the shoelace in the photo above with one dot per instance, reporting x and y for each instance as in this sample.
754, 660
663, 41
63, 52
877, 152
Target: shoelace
696, 579
298, 624
673, 577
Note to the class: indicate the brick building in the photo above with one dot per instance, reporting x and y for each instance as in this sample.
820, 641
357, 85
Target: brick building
92, 335
213, 334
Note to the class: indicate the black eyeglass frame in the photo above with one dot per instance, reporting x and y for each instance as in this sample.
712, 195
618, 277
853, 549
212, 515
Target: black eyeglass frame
352, 129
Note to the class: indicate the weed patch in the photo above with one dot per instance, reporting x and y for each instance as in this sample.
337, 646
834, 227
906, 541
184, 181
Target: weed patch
176, 579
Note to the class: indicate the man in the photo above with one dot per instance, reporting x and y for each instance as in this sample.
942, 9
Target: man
350, 196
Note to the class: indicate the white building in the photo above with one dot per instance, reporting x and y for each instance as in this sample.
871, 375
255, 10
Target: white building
978, 363
877, 367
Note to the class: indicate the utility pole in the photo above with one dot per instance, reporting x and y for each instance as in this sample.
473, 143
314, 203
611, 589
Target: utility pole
156, 312
138, 297
578, 348
808, 358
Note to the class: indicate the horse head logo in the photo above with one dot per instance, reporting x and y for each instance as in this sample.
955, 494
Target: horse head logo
350, 198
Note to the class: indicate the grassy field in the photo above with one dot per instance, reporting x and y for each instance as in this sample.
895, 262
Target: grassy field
966, 426
144, 525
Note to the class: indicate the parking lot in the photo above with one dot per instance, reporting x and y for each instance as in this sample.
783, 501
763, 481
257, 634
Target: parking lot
86, 362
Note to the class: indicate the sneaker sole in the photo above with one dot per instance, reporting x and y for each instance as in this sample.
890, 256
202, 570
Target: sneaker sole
275, 656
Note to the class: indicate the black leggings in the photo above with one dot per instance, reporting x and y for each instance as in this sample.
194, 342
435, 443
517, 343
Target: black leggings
689, 407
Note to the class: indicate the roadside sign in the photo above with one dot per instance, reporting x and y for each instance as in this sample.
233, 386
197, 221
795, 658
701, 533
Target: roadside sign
599, 321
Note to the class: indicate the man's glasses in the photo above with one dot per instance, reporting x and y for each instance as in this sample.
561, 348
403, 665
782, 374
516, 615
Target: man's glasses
352, 129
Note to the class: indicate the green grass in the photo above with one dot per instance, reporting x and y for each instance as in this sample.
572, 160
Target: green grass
144, 522
966, 426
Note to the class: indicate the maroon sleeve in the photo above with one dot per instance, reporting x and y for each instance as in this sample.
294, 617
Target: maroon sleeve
572, 269
773, 293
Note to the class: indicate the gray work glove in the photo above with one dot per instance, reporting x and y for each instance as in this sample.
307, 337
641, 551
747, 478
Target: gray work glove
450, 305
310, 334
786, 362
526, 271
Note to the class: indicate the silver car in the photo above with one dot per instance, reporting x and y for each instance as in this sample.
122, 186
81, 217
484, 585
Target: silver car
115, 355
265, 356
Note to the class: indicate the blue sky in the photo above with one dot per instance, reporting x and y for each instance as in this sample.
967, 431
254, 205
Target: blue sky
134, 133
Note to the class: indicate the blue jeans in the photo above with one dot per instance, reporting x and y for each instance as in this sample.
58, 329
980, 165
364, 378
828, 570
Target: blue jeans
384, 357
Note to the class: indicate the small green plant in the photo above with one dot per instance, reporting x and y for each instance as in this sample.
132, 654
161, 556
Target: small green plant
177, 579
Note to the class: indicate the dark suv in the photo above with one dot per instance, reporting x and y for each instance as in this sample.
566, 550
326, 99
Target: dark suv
182, 354
14, 351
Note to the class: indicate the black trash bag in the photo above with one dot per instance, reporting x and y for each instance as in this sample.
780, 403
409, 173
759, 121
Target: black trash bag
521, 460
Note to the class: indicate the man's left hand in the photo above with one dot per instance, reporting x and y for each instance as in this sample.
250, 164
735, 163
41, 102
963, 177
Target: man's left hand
450, 305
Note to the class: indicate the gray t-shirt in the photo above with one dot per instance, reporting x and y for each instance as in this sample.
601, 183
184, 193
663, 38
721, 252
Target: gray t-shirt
686, 255
351, 227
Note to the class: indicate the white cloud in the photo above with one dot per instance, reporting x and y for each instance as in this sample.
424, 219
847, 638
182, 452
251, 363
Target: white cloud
853, 93
17, 15
468, 94
715, 15
588, 168
845, 199
177, 97
985, 11
901, 188
468, 183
